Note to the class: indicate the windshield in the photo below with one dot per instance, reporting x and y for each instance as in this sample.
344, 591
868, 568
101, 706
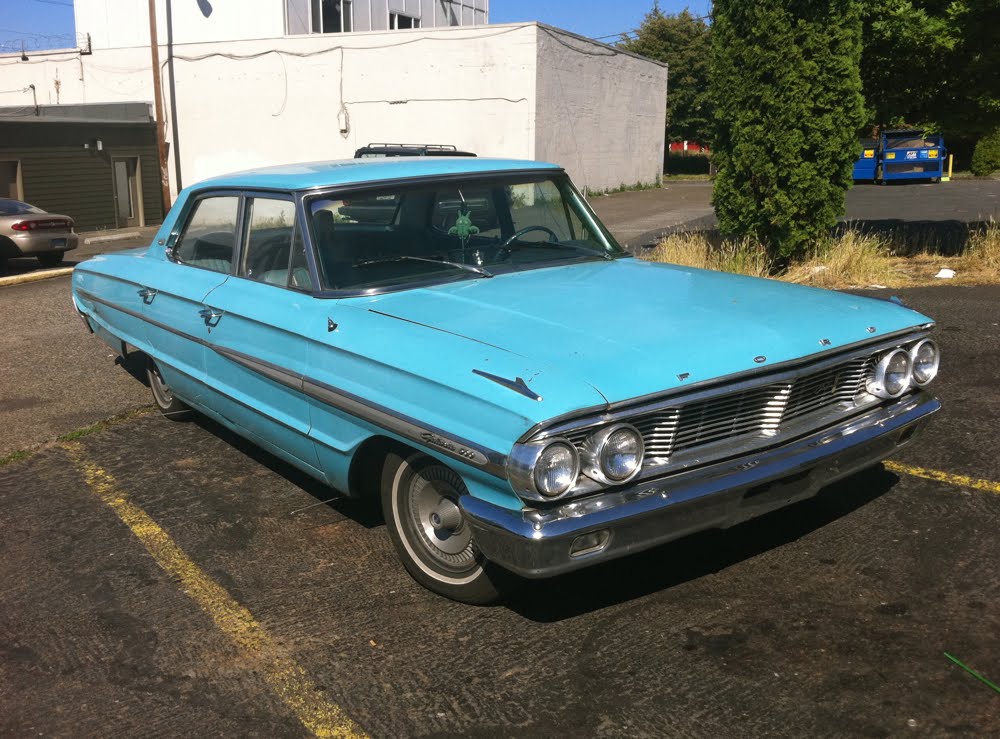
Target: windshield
403, 236
16, 208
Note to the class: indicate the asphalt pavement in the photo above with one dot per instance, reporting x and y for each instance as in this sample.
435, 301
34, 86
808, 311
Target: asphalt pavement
941, 210
162, 578
830, 618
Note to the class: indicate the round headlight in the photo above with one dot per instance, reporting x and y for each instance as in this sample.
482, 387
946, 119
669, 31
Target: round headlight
556, 469
613, 455
892, 375
621, 455
925, 358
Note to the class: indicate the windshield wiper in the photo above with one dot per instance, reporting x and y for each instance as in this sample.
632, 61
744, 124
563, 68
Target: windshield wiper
457, 265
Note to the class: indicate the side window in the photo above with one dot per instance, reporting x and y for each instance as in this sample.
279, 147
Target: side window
210, 234
271, 224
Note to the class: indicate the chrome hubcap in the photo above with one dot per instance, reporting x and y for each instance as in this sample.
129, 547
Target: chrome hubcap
160, 389
437, 518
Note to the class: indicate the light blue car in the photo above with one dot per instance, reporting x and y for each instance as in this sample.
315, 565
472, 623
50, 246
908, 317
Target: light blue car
464, 340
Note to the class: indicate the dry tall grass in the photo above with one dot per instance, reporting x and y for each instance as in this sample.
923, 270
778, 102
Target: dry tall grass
983, 252
850, 258
744, 256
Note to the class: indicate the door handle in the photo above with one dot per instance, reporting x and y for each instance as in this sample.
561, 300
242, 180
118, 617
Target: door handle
211, 316
147, 294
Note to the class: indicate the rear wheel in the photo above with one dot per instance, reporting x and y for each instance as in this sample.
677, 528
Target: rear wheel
163, 396
429, 531
50, 259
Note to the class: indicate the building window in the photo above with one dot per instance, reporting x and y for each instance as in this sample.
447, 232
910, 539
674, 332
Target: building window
332, 16
399, 21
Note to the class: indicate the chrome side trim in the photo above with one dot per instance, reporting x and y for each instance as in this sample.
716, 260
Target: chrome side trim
441, 441
143, 317
374, 413
408, 428
518, 385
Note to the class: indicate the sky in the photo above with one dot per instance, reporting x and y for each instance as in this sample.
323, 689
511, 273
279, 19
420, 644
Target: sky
39, 22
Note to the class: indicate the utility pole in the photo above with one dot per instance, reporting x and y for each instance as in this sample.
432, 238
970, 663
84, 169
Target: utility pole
161, 144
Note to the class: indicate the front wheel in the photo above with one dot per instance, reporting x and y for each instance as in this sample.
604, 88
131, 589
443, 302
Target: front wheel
163, 396
429, 531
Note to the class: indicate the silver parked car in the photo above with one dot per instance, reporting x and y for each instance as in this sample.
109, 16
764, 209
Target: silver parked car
27, 231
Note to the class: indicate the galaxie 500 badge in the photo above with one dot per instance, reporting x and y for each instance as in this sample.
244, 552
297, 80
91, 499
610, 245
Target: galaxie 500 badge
448, 445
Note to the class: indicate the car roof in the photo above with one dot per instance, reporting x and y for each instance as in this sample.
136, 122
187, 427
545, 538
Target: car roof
310, 175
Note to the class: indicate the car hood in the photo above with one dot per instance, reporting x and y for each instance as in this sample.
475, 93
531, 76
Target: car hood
629, 327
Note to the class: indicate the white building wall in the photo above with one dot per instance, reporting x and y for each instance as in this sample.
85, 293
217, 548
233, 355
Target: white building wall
125, 23
245, 104
601, 113
508, 91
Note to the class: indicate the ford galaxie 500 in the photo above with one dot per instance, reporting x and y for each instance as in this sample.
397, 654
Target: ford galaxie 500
464, 340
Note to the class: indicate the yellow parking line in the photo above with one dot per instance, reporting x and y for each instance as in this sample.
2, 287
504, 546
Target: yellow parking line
279, 670
962, 481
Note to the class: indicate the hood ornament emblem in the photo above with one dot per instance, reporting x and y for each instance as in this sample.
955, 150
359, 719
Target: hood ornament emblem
760, 359
825, 342
518, 385
871, 329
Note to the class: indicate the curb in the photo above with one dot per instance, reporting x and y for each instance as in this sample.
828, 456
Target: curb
112, 237
35, 276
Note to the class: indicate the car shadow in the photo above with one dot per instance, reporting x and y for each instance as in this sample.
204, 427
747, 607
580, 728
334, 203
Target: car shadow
625, 579
366, 513
135, 364
14, 266
667, 566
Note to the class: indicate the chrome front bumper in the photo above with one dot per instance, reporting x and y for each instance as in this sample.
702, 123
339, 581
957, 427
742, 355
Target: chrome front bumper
537, 543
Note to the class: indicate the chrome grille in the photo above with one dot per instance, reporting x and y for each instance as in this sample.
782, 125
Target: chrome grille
757, 413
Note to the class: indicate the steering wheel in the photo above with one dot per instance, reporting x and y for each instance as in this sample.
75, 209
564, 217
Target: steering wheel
504, 249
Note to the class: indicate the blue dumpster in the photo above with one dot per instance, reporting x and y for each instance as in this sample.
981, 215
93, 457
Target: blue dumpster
910, 155
864, 168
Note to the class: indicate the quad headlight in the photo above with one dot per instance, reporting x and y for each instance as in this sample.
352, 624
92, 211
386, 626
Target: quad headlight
551, 468
899, 369
925, 358
613, 455
893, 374
556, 469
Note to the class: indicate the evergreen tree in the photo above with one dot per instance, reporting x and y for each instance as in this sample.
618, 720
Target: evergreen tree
682, 41
787, 93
